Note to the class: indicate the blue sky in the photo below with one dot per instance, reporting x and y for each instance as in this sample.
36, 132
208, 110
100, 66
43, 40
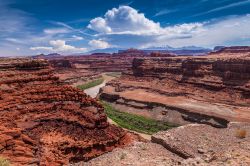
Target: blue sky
30, 27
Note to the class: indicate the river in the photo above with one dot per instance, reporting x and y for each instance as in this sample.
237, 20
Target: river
93, 92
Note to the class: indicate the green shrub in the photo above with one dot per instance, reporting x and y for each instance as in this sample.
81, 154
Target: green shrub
135, 122
91, 84
114, 74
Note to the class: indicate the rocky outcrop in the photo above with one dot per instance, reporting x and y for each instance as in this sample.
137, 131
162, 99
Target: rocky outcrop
138, 154
207, 144
46, 123
194, 144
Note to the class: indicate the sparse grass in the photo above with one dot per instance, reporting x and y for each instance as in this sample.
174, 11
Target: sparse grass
241, 133
4, 162
123, 155
143, 147
91, 84
114, 74
135, 122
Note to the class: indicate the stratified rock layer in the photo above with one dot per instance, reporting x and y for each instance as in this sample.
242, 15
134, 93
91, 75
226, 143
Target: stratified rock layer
210, 89
212, 74
46, 123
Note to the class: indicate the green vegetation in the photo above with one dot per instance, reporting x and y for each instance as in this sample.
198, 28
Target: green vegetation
114, 74
135, 122
4, 162
91, 84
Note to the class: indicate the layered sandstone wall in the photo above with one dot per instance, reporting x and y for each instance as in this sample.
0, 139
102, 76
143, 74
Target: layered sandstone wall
207, 72
157, 67
100, 63
46, 123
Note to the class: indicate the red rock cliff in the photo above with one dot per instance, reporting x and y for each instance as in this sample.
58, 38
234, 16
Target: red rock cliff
218, 73
207, 72
45, 123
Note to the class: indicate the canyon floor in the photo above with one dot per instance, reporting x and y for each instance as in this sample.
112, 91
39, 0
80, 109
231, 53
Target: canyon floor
210, 89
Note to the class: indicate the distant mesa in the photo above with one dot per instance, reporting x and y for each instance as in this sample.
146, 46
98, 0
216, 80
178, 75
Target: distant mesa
189, 50
132, 51
165, 51
217, 48
106, 50
97, 54
230, 50
180, 51
48, 56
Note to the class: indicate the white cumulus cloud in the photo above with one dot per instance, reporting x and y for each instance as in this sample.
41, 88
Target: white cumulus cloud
59, 46
229, 31
99, 24
99, 44
126, 27
127, 20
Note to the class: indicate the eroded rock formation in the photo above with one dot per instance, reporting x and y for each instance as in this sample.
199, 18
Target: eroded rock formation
46, 123
210, 89
209, 73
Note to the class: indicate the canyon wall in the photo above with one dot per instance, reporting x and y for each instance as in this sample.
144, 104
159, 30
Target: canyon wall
209, 73
212, 89
96, 63
46, 123
157, 67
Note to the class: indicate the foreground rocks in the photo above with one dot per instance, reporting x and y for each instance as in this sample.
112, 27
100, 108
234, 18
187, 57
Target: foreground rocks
205, 142
194, 144
138, 154
46, 123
